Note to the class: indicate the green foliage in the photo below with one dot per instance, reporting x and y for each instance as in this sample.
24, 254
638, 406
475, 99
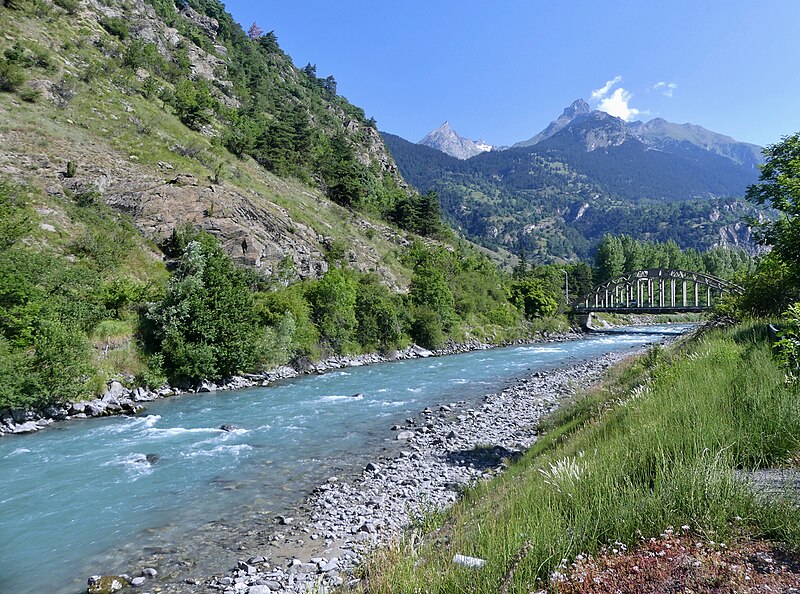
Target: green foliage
420, 213
115, 26
61, 361
770, 290
193, 103
379, 315
30, 94
619, 255
11, 76
274, 306
531, 297
430, 289
776, 283
205, 326
787, 347
143, 54
610, 259
70, 6
16, 215
333, 301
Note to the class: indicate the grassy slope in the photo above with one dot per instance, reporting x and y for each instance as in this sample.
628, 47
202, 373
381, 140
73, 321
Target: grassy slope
654, 447
111, 131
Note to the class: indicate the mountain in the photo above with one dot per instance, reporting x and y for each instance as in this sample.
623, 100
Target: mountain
577, 109
662, 135
589, 173
447, 140
657, 133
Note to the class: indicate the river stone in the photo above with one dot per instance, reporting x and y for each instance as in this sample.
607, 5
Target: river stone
20, 415
138, 582
149, 572
207, 386
95, 408
260, 589
55, 412
106, 584
405, 435
28, 427
115, 389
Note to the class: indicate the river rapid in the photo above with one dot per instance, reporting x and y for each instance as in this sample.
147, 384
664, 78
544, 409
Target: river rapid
97, 496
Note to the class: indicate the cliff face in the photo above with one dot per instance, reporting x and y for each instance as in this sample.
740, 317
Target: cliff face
175, 116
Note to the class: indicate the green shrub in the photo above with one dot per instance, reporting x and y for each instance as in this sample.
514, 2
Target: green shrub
30, 94
333, 301
379, 315
272, 307
11, 76
193, 103
205, 326
71, 6
426, 327
530, 296
115, 26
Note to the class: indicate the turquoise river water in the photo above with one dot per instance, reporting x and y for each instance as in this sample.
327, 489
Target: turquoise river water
81, 498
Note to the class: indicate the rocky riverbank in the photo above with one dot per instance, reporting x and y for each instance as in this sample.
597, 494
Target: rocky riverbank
438, 453
121, 400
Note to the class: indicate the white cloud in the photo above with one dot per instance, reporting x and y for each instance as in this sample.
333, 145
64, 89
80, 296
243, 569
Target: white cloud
616, 103
599, 94
666, 88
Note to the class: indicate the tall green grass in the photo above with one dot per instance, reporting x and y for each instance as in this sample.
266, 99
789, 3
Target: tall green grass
657, 446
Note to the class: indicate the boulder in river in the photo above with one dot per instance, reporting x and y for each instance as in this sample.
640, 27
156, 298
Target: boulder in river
152, 458
229, 427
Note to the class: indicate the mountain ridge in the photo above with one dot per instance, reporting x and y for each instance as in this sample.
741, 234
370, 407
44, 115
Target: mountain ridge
589, 173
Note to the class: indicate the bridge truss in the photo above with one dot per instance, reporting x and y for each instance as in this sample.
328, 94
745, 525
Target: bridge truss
657, 290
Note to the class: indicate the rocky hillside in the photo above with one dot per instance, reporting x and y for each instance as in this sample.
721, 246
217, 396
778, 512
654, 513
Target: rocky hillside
172, 114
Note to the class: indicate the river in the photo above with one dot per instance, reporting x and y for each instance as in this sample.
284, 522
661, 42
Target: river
81, 497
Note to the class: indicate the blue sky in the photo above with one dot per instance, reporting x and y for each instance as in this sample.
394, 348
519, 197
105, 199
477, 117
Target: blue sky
503, 70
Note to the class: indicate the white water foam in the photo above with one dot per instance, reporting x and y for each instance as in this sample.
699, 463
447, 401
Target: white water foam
17, 452
234, 450
157, 432
135, 465
335, 398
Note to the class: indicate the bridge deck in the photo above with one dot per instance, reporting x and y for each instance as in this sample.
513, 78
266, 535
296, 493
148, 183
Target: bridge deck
643, 310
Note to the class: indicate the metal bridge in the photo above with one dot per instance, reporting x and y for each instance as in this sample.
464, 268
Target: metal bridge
658, 290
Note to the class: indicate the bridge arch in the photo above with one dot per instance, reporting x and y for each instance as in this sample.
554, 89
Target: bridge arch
656, 290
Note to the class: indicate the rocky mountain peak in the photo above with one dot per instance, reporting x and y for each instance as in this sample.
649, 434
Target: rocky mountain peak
577, 109
447, 140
